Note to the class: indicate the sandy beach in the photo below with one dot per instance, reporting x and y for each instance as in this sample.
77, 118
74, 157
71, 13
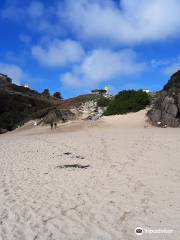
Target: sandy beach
128, 177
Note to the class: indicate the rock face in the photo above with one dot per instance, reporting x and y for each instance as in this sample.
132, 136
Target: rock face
166, 108
58, 115
85, 111
90, 110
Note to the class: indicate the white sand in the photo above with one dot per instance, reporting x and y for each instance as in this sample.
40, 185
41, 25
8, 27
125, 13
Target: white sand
133, 180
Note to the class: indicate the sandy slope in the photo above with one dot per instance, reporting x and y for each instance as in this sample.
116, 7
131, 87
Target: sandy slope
133, 180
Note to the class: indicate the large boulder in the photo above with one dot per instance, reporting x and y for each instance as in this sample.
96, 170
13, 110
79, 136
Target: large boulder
155, 116
58, 115
169, 106
166, 108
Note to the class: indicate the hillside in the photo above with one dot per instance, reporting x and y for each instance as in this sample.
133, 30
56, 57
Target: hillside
18, 104
78, 101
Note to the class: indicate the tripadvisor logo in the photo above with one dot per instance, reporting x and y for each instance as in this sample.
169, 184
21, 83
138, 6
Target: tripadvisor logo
139, 231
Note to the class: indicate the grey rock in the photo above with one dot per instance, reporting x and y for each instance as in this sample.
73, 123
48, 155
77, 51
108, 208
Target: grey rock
58, 115
169, 120
165, 110
171, 109
155, 115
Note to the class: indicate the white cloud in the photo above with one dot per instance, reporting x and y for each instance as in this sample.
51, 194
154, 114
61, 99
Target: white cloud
124, 22
158, 63
103, 65
13, 71
71, 80
133, 22
58, 53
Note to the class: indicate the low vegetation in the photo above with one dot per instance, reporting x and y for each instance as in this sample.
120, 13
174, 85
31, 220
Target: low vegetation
16, 108
103, 102
128, 101
19, 104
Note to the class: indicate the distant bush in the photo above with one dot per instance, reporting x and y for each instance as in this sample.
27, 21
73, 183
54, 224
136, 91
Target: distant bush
58, 95
128, 101
46, 92
103, 102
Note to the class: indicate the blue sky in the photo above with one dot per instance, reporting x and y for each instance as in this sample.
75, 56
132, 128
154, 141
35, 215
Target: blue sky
74, 46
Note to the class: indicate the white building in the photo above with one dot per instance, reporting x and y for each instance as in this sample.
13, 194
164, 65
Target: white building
146, 90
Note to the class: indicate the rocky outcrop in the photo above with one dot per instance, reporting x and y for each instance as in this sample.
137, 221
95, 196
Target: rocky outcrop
58, 115
85, 111
90, 110
166, 108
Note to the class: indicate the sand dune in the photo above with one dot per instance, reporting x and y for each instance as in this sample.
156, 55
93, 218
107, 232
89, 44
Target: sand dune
132, 180
131, 120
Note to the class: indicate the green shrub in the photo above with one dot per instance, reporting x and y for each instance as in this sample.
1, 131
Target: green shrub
103, 102
58, 95
15, 109
128, 101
